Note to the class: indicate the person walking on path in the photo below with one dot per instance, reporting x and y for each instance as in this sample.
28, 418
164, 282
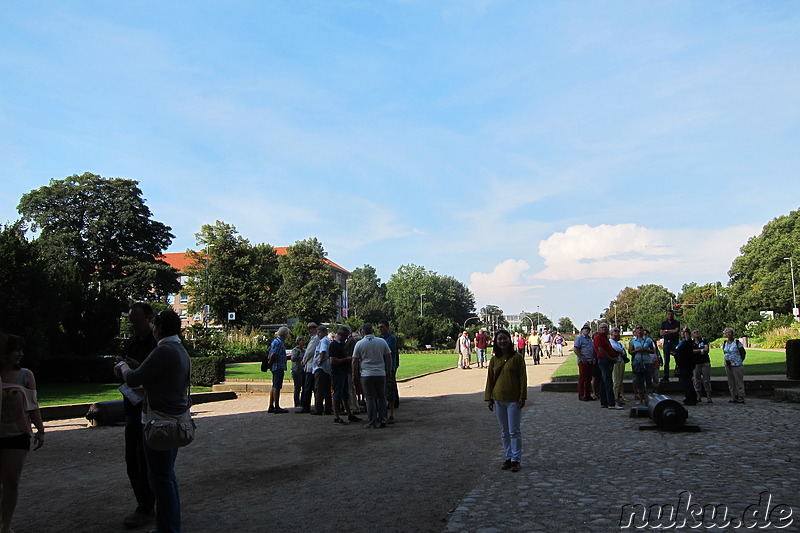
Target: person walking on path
481, 342
734, 359
464, 346
505, 394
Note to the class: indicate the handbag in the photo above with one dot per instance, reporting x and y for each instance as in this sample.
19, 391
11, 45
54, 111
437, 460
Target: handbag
163, 431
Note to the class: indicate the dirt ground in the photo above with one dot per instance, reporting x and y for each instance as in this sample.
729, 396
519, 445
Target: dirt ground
252, 471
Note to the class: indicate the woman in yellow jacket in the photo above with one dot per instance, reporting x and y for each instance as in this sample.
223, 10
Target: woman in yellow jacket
506, 392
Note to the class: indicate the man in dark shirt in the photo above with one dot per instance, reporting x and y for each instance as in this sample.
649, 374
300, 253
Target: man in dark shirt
670, 330
137, 348
341, 362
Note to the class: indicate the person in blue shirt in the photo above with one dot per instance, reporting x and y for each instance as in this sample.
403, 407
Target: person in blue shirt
277, 356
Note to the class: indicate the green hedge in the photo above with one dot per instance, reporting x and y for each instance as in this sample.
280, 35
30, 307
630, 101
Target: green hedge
206, 371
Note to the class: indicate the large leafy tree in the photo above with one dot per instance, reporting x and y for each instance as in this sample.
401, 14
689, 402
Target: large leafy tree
761, 278
230, 275
427, 306
565, 325
99, 236
27, 289
537, 319
367, 295
309, 291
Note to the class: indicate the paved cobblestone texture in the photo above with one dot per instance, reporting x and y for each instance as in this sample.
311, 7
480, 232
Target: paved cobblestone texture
581, 464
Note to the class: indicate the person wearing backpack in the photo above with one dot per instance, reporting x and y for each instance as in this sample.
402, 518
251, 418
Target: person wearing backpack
734, 358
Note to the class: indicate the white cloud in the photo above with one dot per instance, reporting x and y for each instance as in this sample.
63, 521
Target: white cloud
630, 250
506, 283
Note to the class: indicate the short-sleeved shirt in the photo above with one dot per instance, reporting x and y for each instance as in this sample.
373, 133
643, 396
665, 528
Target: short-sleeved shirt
338, 351
672, 337
481, 340
279, 349
320, 362
373, 352
585, 348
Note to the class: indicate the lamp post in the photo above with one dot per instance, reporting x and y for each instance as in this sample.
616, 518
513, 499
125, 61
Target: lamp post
524, 316
794, 294
420, 304
468, 319
615, 316
538, 318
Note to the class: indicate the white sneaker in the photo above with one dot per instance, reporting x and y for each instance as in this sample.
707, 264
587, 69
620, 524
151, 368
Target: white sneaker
617, 407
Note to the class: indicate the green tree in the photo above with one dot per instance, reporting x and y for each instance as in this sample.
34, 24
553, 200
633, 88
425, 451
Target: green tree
230, 275
367, 295
565, 325
761, 277
427, 306
651, 306
624, 305
27, 289
98, 236
308, 291
537, 319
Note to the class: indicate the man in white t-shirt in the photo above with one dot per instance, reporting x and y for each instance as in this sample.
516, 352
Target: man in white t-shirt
373, 356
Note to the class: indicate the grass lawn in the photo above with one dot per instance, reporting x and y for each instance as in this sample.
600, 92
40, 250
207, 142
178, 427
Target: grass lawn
69, 393
758, 362
411, 365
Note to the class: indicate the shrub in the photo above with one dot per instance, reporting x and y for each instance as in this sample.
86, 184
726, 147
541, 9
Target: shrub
778, 337
207, 371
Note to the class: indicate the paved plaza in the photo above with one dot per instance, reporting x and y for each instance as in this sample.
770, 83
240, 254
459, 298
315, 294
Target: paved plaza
583, 464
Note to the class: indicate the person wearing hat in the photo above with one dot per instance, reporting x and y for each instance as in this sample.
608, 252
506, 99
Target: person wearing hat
584, 349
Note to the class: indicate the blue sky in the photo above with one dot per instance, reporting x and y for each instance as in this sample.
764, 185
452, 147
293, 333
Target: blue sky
547, 154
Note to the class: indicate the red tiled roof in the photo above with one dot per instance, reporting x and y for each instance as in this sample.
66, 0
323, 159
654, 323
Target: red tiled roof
180, 260
177, 260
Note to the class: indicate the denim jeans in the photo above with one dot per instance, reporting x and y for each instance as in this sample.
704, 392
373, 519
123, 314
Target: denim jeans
607, 383
508, 418
161, 471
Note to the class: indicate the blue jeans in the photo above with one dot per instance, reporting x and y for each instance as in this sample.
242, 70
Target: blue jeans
607, 383
161, 471
508, 418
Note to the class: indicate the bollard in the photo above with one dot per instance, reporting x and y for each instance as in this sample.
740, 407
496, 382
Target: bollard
106, 413
793, 359
667, 413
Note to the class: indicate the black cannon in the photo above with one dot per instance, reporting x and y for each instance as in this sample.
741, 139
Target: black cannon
106, 413
666, 413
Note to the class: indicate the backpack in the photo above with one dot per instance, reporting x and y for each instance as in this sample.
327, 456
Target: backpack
742, 351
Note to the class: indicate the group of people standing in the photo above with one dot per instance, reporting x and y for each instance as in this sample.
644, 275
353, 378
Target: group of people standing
340, 371
602, 360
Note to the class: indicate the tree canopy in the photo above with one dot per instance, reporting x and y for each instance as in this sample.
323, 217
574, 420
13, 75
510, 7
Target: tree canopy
102, 246
761, 277
231, 275
367, 295
309, 291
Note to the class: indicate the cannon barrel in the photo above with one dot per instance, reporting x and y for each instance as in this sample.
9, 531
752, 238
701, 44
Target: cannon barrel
667, 413
106, 413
